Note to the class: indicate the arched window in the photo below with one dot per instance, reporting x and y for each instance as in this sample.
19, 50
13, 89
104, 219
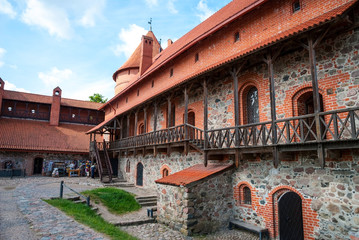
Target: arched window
128, 166
165, 172
252, 105
247, 199
141, 129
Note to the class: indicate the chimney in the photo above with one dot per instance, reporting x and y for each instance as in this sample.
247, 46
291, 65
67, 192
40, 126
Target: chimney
146, 53
169, 42
2, 85
55, 107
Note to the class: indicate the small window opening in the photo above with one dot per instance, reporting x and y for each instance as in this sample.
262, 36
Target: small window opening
127, 100
296, 6
247, 196
33, 111
129, 71
171, 72
165, 172
153, 83
9, 109
57, 93
196, 57
73, 115
236, 37
138, 92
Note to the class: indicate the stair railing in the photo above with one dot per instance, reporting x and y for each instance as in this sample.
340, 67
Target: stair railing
98, 160
107, 160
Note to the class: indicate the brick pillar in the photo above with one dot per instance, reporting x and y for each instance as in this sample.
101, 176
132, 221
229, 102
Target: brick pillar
2, 85
146, 53
55, 107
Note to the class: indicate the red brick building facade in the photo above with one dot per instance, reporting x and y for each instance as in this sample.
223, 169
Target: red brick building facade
265, 96
36, 129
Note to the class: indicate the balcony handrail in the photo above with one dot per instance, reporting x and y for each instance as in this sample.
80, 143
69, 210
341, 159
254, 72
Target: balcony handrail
341, 124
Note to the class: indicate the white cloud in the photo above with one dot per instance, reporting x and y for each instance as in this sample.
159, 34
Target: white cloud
54, 77
2, 52
130, 38
49, 17
171, 6
92, 12
204, 11
6, 8
78, 90
151, 3
10, 86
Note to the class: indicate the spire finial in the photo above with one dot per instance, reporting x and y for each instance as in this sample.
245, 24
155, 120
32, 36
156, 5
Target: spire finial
150, 22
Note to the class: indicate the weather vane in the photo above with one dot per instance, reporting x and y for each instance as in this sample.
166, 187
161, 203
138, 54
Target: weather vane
150, 22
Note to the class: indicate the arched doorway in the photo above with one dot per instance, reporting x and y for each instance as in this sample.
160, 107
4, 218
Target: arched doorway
305, 105
139, 174
290, 217
38, 165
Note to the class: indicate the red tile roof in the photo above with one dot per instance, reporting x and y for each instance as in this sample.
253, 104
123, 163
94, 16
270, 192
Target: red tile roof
37, 98
193, 174
16, 134
134, 60
225, 15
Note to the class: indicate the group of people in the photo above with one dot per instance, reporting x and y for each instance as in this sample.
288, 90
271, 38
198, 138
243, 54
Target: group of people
87, 168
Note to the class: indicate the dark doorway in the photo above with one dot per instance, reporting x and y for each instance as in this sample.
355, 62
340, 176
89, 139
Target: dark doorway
114, 165
290, 217
191, 121
139, 178
306, 106
38, 165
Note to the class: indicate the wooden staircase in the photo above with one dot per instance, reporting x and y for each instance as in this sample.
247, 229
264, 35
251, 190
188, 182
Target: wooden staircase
99, 151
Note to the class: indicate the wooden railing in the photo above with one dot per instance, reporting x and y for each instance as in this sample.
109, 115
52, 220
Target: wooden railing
335, 125
164, 136
104, 165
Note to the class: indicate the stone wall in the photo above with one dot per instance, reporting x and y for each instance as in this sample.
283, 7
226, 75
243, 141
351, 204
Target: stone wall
25, 160
202, 208
152, 165
329, 196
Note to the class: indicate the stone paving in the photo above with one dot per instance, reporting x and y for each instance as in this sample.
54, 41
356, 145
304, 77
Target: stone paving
45, 222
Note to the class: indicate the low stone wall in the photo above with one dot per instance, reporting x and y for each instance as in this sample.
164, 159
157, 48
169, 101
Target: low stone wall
201, 208
152, 165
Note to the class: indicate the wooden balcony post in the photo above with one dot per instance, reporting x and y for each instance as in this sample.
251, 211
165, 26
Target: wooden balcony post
186, 120
234, 73
136, 121
155, 117
205, 121
128, 126
168, 118
121, 128
269, 60
145, 119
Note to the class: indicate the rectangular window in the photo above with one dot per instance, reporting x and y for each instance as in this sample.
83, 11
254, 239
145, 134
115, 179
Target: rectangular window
171, 72
236, 37
153, 83
127, 100
196, 57
138, 92
296, 6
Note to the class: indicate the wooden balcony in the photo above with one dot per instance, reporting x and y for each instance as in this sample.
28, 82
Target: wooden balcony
339, 129
30, 114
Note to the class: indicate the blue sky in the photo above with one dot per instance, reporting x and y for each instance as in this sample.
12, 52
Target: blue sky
79, 44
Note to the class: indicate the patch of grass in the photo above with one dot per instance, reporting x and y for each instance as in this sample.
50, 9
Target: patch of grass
84, 214
116, 200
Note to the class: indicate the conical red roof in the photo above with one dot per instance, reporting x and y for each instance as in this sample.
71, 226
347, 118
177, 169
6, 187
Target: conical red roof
134, 60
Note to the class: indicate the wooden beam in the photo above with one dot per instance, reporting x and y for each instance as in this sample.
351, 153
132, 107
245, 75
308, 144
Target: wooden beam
121, 129
169, 106
185, 112
237, 158
205, 120
145, 119
269, 62
155, 117
128, 125
136, 122
321, 155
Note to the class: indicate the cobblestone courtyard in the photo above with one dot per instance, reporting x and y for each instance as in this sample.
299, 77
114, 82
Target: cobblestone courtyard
23, 215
